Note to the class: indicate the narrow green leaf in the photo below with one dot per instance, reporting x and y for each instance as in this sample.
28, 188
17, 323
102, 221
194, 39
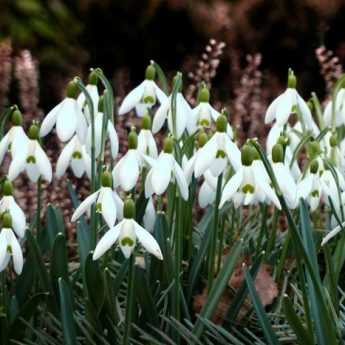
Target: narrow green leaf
162, 78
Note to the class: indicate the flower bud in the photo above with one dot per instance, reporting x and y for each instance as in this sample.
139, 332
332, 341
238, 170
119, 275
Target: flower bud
313, 149
202, 138
333, 140
247, 154
129, 209
33, 132
292, 81
277, 153
283, 140
146, 121
101, 104
132, 139
106, 179
204, 94
178, 77
93, 78
314, 166
150, 72
7, 188
168, 146
221, 123
6, 220
72, 89
17, 118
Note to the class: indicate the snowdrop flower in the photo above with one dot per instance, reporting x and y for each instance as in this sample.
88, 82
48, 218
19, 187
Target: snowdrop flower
285, 104
8, 204
146, 142
217, 152
339, 110
284, 177
67, 117
92, 89
74, 155
208, 189
32, 159
126, 233
329, 145
15, 138
178, 125
162, 171
149, 218
9, 246
126, 171
144, 96
249, 185
107, 202
110, 133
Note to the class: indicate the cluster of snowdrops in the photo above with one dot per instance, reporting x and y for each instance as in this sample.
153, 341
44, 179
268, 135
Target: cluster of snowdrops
305, 153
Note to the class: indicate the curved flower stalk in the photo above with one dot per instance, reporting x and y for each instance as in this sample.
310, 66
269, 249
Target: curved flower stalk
127, 169
108, 203
164, 113
126, 234
32, 159
15, 138
9, 246
110, 134
162, 171
249, 185
218, 152
144, 96
149, 218
284, 177
8, 204
146, 142
66, 116
75, 156
287, 103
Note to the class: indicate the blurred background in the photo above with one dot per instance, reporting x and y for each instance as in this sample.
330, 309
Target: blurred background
253, 44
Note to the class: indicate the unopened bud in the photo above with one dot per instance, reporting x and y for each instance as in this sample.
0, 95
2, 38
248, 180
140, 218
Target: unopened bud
129, 209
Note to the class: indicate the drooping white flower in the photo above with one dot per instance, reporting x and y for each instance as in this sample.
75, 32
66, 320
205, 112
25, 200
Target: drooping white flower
287, 103
249, 185
218, 152
163, 171
149, 218
144, 96
32, 159
9, 246
108, 203
110, 134
339, 110
127, 169
207, 191
146, 142
74, 155
67, 116
178, 125
15, 138
8, 204
126, 233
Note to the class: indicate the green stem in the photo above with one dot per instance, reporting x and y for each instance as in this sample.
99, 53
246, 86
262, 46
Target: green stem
130, 300
39, 205
212, 248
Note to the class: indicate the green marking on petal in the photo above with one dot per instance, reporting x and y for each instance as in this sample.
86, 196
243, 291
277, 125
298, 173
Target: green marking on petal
204, 122
220, 154
149, 100
98, 207
315, 193
127, 241
248, 188
9, 249
31, 160
77, 155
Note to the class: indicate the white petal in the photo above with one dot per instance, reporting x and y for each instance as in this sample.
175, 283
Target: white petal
149, 216
148, 185
332, 233
231, 187
43, 163
114, 140
284, 106
84, 206
206, 156
132, 99
67, 119
233, 153
32, 172
181, 181
271, 110
119, 205
206, 195
16, 167
129, 172
78, 167
108, 239
160, 116
19, 140
162, 97
161, 173
3, 249
108, 206
49, 121
4, 143
18, 217
17, 254
148, 241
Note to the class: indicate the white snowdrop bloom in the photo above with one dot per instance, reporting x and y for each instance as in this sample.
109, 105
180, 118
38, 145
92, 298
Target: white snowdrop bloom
110, 134
146, 142
8, 204
218, 152
9, 246
333, 151
149, 218
144, 96
74, 155
163, 170
283, 175
339, 110
15, 138
32, 159
67, 116
108, 203
287, 103
208, 190
178, 125
126, 233
127, 169
249, 184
